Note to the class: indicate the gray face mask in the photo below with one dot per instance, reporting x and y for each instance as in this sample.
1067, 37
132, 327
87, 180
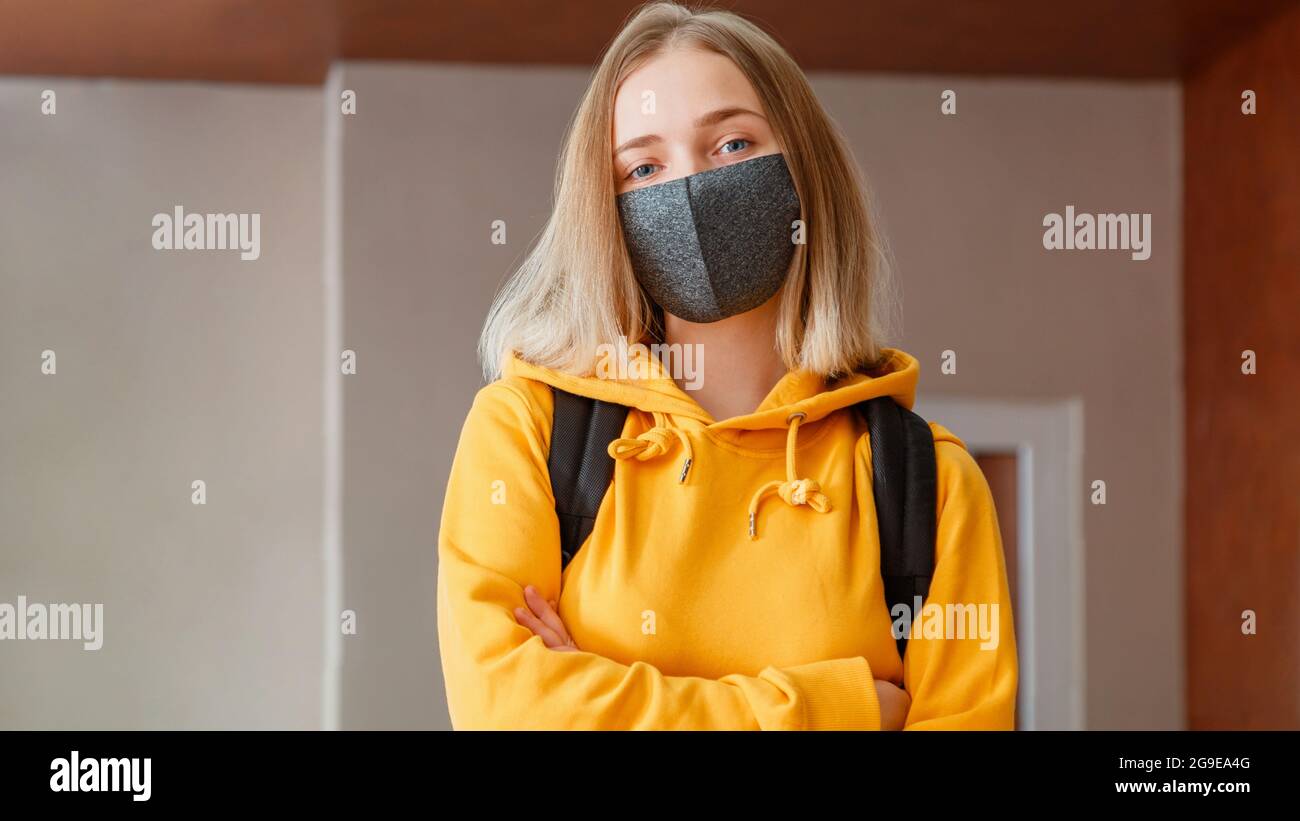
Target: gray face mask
714, 244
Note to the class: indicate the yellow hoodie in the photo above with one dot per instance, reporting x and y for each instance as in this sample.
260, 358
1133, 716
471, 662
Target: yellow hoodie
732, 579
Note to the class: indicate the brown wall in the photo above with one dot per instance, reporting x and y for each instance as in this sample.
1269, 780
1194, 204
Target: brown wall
295, 41
1242, 291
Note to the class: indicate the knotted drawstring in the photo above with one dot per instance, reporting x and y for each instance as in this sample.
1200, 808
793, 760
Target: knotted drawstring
792, 491
657, 441
654, 443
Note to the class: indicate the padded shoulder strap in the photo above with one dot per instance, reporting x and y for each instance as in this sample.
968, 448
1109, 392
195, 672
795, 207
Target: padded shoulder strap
904, 483
580, 464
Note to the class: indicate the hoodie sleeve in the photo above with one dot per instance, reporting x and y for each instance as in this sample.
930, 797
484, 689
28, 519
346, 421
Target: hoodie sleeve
964, 683
500, 532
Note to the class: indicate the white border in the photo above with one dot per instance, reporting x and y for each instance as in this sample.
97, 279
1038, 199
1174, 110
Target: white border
332, 501
1047, 438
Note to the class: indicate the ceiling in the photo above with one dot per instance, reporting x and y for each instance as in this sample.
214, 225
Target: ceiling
294, 41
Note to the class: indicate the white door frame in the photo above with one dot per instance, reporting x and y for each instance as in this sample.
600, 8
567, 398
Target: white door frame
1047, 438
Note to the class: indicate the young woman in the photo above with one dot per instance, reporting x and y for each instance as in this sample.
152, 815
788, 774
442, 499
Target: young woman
732, 579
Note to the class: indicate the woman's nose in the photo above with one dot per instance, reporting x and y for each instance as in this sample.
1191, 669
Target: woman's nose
687, 161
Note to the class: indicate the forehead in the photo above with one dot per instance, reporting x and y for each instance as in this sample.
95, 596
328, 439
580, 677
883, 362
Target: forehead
682, 83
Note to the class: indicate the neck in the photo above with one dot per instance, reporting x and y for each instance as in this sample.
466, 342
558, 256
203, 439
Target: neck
741, 363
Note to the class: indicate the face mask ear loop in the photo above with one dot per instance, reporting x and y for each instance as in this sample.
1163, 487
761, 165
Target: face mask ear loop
656, 329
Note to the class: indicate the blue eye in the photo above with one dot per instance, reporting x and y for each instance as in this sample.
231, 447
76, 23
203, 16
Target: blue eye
636, 175
743, 145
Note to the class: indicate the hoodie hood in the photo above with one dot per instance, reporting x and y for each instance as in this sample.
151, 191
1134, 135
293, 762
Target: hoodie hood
798, 398
797, 392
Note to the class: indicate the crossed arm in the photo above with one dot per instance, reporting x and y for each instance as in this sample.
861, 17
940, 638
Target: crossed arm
543, 618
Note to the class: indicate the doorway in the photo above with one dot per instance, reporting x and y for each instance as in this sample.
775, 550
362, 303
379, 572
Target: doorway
1031, 453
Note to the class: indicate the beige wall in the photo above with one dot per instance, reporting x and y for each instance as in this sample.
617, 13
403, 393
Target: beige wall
196, 365
964, 199
172, 366
431, 158
435, 153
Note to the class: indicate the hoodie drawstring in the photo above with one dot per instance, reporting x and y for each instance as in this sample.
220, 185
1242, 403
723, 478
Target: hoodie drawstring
654, 443
792, 491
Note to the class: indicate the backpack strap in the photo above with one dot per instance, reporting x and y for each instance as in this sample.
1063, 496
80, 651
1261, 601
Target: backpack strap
579, 463
904, 482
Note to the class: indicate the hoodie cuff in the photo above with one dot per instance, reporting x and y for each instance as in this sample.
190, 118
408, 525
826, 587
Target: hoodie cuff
838, 694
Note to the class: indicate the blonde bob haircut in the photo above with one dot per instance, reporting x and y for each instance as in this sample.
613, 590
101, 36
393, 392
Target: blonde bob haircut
575, 290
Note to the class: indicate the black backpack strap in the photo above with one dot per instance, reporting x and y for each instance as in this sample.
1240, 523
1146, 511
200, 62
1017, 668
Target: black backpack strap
580, 464
904, 482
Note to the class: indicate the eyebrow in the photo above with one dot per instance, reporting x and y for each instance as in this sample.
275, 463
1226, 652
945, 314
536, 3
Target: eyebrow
704, 121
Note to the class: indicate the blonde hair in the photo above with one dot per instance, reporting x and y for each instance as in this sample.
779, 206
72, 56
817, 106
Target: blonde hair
576, 291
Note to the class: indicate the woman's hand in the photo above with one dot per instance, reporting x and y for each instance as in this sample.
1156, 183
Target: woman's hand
894, 704
544, 620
